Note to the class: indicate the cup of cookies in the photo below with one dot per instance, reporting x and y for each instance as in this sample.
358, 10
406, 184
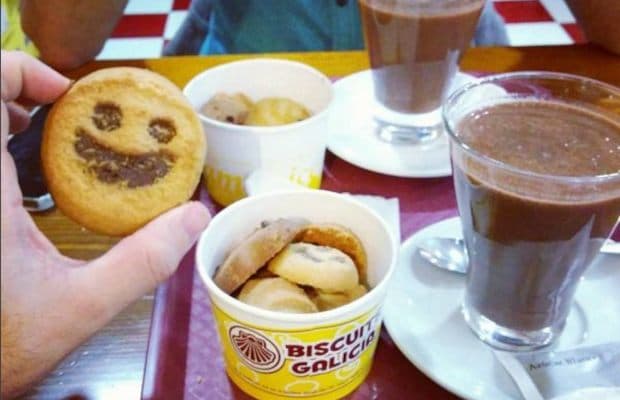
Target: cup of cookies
261, 116
296, 281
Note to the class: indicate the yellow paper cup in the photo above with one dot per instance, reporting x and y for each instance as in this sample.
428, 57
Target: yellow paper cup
274, 355
292, 152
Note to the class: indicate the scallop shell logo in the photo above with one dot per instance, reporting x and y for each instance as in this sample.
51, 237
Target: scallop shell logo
255, 349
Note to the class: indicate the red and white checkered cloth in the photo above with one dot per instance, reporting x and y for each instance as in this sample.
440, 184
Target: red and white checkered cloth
148, 24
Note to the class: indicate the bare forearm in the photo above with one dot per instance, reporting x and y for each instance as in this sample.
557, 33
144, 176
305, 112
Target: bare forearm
599, 21
69, 33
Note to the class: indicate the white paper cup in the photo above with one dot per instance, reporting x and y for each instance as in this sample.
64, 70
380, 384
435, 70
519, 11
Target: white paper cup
322, 355
293, 152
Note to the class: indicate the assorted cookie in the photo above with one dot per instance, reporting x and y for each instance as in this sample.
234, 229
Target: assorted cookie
292, 265
254, 252
326, 300
231, 108
120, 147
238, 109
339, 237
321, 267
276, 294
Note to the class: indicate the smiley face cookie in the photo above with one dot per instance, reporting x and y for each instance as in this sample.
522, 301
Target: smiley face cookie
122, 146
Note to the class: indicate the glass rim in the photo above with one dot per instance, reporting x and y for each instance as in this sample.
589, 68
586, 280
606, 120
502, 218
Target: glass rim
557, 76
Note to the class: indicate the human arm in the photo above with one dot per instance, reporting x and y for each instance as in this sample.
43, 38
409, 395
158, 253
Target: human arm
50, 303
69, 33
600, 21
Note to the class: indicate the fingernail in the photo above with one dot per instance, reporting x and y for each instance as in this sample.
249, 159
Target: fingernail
195, 218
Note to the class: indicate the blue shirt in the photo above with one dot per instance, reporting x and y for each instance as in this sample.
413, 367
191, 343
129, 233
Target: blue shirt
259, 26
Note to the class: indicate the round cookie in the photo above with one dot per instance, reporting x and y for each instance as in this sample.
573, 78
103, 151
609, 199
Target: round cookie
232, 108
321, 267
120, 147
326, 301
254, 252
338, 237
276, 294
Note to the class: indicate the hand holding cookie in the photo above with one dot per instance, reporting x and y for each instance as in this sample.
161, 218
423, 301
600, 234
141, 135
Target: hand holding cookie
50, 303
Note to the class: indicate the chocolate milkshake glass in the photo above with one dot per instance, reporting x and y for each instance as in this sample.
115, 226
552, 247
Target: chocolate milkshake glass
536, 161
414, 47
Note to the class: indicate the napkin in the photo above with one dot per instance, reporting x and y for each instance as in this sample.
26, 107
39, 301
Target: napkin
386, 208
584, 372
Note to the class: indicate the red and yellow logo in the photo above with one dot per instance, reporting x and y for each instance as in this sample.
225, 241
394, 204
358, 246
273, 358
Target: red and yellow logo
255, 349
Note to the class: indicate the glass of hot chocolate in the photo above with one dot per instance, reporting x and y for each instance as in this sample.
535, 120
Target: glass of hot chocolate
536, 162
414, 47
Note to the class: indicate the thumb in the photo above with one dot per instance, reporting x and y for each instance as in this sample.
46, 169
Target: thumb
138, 263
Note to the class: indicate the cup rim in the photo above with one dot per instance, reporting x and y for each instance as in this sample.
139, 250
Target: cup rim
558, 76
273, 129
318, 318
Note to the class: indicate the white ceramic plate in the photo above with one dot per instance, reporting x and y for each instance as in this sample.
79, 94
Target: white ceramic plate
352, 134
422, 314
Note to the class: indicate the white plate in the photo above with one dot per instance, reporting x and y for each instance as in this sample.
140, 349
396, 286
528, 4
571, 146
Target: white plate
422, 314
352, 134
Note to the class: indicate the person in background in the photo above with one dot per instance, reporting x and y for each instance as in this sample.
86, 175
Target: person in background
50, 303
261, 26
241, 26
62, 33
600, 21
12, 35
211, 27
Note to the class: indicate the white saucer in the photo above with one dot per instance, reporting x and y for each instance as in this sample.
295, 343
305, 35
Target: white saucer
352, 134
422, 315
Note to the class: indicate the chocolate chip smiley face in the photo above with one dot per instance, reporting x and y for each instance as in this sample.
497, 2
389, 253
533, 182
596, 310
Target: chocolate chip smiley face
112, 166
120, 147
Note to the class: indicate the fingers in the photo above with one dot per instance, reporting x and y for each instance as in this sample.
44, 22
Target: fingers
29, 78
137, 264
10, 194
19, 117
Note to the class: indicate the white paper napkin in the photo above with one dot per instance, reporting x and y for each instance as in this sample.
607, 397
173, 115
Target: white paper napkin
584, 372
387, 208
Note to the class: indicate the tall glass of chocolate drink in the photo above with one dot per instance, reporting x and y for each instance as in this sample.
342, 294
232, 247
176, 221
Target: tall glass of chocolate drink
536, 161
414, 47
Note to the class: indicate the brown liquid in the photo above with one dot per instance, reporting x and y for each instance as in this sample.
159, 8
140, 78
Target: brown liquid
414, 49
529, 244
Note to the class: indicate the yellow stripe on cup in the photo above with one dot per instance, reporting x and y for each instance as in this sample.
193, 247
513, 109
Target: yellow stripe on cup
305, 177
226, 188
223, 187
323, 362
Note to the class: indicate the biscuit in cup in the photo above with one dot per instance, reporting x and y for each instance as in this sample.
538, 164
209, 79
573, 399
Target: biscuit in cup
292, 152
279, 355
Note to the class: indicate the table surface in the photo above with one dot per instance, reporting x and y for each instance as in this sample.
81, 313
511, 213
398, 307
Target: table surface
110, 365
